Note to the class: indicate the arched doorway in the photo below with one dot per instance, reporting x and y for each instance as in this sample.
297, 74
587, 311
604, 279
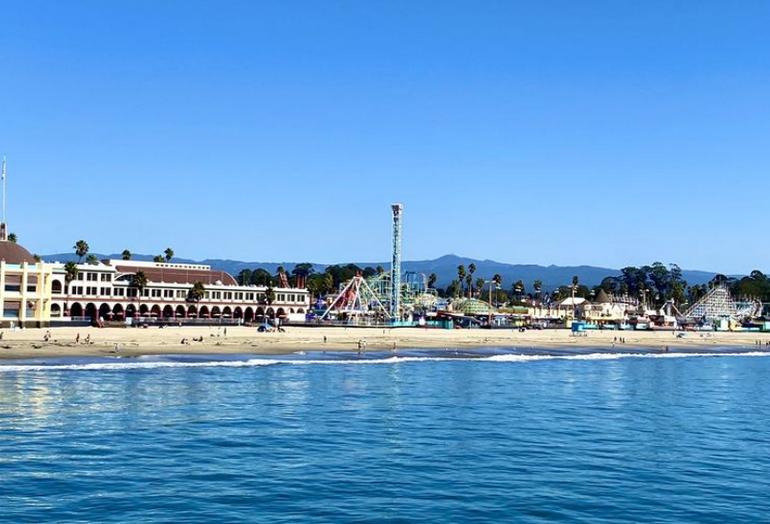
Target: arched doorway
168, 312
260, 313
155, 311
130, 311
237, 312
105, 312
227, 312
55, 310
56, 287
248, 315
76, 310
180, 313
203, 312
117, 312
192, 311
91, 311
215, 312
144, 310
270, 313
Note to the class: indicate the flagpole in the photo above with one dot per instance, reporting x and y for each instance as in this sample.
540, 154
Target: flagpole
4, 173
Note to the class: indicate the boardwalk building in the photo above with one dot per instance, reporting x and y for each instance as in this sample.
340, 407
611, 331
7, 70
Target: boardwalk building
25, 286
106, 291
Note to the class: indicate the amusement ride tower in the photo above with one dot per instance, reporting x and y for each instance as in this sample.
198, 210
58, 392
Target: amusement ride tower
395, 270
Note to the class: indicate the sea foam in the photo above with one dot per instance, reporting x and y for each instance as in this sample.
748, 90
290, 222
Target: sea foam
130, 364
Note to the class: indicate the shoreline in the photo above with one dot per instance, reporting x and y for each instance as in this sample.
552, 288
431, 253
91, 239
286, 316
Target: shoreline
29, 343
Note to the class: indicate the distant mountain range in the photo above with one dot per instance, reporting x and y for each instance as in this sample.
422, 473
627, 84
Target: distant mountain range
445, 268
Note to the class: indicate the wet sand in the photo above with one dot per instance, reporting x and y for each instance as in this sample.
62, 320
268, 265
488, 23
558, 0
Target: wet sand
29, 343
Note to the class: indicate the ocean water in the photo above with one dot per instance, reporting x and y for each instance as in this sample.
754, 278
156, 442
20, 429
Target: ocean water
423, 436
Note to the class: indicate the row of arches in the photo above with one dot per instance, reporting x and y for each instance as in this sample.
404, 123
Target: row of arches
118, 312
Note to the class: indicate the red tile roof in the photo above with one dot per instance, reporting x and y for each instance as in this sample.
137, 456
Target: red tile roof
180, 276
13, 253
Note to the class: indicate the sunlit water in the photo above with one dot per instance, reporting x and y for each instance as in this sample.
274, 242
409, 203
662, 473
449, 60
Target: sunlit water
337, 438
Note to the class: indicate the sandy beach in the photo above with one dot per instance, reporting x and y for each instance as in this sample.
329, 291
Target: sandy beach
29, 343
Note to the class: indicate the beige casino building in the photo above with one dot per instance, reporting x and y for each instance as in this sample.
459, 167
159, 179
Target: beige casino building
25, 286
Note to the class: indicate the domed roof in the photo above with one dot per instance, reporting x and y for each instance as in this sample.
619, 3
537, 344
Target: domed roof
472, 306
13, 253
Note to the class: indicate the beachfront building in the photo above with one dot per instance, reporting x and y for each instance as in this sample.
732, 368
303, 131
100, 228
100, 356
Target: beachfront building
108, 291
25, 286
606, 310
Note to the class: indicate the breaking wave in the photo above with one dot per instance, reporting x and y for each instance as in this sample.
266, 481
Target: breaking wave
130, 364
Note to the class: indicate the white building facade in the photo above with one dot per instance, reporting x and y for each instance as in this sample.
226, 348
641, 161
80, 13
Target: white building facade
105, 291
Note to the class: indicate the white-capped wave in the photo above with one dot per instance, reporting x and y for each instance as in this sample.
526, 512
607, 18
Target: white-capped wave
616, 356
127, 364
118, 365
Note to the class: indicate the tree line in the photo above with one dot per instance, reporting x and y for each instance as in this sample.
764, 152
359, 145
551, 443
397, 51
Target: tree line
655, 284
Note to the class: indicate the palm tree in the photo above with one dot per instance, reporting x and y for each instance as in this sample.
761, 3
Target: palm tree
81, 249
138, 282
432, 279
159, 258
469, 283
126, 255
168, 254
518, 290
197, 292
461, 276
70, 273
537, 285
92, 259
471, 271
498, 281
12, 238
479, 285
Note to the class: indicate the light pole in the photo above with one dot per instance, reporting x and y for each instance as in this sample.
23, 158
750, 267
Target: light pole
497, 286
644, 299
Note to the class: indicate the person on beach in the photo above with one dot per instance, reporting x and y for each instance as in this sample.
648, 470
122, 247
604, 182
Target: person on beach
324, 339
77, 338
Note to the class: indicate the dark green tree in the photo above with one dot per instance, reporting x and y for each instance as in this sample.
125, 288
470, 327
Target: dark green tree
81, 249
197, 292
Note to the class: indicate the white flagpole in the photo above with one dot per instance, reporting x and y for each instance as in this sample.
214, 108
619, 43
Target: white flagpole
4, 189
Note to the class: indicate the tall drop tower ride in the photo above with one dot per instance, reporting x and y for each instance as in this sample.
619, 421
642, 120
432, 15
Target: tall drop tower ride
395, 270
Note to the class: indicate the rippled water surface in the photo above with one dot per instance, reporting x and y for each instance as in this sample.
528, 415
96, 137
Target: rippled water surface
593, 438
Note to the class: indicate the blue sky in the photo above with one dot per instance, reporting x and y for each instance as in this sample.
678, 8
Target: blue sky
606, 133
